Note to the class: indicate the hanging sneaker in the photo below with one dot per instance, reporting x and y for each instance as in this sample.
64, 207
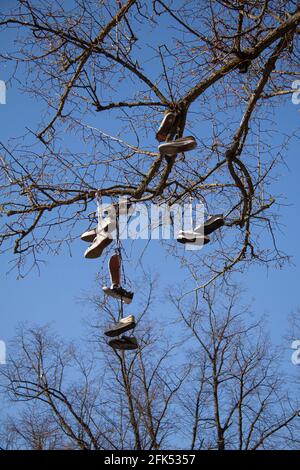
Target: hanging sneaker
117, 292
244, 66
89, 236
106, 225
165, 126
211, 224
101, 241
183, 144
125, 324
114, 267
125, 343
201, 231
192, 237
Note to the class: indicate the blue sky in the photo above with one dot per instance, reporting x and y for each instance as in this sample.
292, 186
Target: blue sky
54, 295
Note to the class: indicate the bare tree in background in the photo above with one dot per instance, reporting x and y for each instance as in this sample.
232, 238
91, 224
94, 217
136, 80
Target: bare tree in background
218, 384
95, 398
33, 429
104, 73
239, 395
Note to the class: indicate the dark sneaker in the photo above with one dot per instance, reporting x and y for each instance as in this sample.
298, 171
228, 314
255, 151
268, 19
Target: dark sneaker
165, 126
192, 237
125, 343
244, 66
101, 241
183, 144
212, 223
117, 292
125, 324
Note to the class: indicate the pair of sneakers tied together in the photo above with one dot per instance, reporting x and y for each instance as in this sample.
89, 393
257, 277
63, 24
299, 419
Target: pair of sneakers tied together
115, 290
199, 235
172, 148
100, 237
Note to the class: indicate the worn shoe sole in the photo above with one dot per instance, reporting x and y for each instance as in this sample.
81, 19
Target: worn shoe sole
96, 252
90, 235
122, 345
119, 331
115, 295
215, 224
182, 238
172, 148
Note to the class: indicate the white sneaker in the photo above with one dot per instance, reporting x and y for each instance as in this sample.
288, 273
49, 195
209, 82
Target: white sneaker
183, 144
125, 324
106, 225
101, 241
89, 235
165, 126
